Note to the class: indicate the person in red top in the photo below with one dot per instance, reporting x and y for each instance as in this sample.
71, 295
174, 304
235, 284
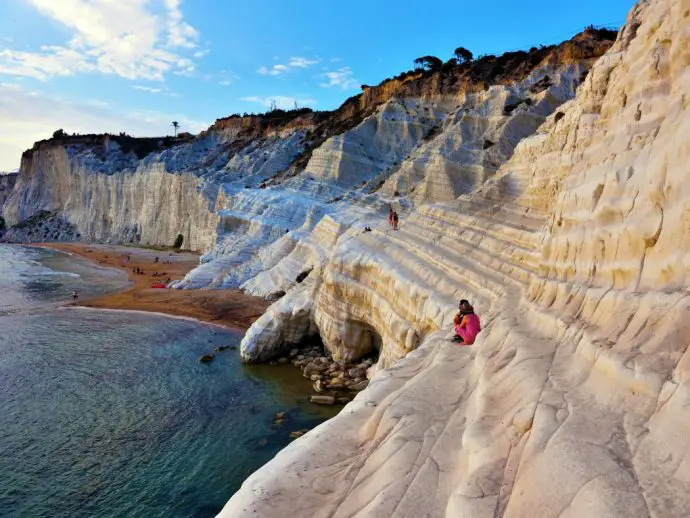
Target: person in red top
467, 325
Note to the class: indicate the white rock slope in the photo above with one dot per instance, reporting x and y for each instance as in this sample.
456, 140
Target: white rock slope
574, 400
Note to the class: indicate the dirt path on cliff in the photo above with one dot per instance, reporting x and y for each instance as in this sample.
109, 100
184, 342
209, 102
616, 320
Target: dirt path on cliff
230, 308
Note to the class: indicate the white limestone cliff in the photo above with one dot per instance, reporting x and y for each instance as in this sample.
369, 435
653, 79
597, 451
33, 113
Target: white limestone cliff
106, 193
573, 401
146, 206
398, 136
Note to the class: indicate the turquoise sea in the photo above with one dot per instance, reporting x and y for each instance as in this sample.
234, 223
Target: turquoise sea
106, 413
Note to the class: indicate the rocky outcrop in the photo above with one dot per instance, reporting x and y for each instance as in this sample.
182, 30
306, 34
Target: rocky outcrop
573, 401
42, 227
7, 181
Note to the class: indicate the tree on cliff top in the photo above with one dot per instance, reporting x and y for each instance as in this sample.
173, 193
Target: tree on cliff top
463, 55
59, 133
431, 63
175, 125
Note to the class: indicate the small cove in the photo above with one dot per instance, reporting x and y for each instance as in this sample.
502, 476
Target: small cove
112, 414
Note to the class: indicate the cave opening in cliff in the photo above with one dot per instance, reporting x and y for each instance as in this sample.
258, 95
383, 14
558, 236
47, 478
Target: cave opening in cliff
372, 340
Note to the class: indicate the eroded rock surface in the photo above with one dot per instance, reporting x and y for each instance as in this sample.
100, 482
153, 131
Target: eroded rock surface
573, 401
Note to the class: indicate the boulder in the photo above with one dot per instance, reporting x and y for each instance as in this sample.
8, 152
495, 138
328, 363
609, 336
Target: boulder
357, 372
282, 361
281, 415
322, 400
293, 353
320, 386
359, 386
298, 433
207, 358
311, 368
343, 400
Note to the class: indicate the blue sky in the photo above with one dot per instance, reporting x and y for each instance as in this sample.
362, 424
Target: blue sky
136, 65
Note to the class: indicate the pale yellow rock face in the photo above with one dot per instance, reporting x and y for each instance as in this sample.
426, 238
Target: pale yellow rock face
149, 206
574, 400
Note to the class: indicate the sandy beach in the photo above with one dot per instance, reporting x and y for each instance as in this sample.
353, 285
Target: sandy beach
230, 308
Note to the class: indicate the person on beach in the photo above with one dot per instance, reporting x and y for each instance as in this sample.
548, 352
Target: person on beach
75, 296
395, 220
390, 216
467, 325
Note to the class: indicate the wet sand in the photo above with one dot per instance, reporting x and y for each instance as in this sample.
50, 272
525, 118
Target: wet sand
229, 308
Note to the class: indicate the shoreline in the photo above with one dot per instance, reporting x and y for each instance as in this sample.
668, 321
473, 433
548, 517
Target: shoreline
71, 307
230, 309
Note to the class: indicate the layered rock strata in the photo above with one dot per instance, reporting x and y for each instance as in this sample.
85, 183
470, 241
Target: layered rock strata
7, 181
573, 402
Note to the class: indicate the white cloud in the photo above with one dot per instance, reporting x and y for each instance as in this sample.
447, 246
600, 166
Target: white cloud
201, 53
281, 101
162, 90
225, 82
180, 33
294, 62
342, 77
148, 89
26, 117
301, 62
129, 38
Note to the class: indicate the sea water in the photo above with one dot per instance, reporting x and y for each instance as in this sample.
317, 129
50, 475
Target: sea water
106, 413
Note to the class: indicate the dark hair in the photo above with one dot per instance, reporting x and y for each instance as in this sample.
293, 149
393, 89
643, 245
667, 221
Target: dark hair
465, 307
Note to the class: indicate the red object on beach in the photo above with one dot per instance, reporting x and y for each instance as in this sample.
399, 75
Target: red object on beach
158, 285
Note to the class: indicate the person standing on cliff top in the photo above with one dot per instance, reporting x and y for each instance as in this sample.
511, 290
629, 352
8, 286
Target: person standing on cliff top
75, 296
467, 325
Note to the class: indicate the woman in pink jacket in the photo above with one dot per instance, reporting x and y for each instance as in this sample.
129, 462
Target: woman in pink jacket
466, 323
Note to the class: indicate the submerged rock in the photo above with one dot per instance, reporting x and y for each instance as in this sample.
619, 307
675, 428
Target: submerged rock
322, 399
207, 358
